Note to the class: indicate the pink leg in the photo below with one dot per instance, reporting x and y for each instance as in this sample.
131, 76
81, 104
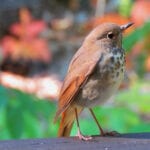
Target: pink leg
81, 137
99, 126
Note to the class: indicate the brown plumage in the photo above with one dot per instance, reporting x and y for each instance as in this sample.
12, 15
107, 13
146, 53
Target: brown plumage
86, 75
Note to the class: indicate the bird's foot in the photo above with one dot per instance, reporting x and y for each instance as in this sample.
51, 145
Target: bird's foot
82, 137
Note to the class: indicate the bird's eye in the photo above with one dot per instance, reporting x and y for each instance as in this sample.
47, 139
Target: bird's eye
110, 35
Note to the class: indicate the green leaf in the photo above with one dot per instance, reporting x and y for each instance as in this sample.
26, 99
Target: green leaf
4, 97
31, 126
137, 35
125, 7
14, 121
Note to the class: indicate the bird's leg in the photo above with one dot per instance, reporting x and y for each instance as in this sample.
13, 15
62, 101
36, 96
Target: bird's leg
102, 133
81, 137
99, 126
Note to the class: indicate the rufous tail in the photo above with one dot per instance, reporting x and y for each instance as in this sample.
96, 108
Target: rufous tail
67, 120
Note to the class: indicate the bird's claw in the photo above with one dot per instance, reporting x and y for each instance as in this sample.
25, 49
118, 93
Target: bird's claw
82, 137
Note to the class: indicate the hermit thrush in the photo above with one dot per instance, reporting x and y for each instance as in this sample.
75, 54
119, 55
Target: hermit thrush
94, 74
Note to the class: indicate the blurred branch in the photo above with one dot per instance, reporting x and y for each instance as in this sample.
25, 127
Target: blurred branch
100, 8
42, 87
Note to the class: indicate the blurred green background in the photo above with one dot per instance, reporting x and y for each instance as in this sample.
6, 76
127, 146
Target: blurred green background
27, 115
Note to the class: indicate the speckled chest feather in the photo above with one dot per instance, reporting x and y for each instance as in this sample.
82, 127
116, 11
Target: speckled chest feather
104, 80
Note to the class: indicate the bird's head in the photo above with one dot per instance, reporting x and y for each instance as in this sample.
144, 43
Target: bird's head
109, 34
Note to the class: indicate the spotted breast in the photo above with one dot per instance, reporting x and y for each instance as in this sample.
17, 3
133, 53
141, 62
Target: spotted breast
105, 79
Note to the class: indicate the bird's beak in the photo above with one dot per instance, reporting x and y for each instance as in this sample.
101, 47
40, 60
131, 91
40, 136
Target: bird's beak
125, 26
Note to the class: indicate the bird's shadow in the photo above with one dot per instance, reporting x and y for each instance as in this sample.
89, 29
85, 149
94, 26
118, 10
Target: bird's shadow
145, 135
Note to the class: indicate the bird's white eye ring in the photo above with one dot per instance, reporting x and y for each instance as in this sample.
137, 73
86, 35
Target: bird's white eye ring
110, 35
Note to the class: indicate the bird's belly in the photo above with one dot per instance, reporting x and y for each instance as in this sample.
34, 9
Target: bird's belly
100, 87
94, 93
92, 96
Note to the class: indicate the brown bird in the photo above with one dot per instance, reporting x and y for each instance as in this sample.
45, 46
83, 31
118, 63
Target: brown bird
95, 73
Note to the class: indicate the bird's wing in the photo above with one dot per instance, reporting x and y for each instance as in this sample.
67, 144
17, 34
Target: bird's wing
81, 66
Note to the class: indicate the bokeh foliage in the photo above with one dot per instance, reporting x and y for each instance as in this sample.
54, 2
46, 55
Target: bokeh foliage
136, 36
25, 116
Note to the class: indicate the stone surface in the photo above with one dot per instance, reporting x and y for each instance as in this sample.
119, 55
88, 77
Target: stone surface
138, 141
